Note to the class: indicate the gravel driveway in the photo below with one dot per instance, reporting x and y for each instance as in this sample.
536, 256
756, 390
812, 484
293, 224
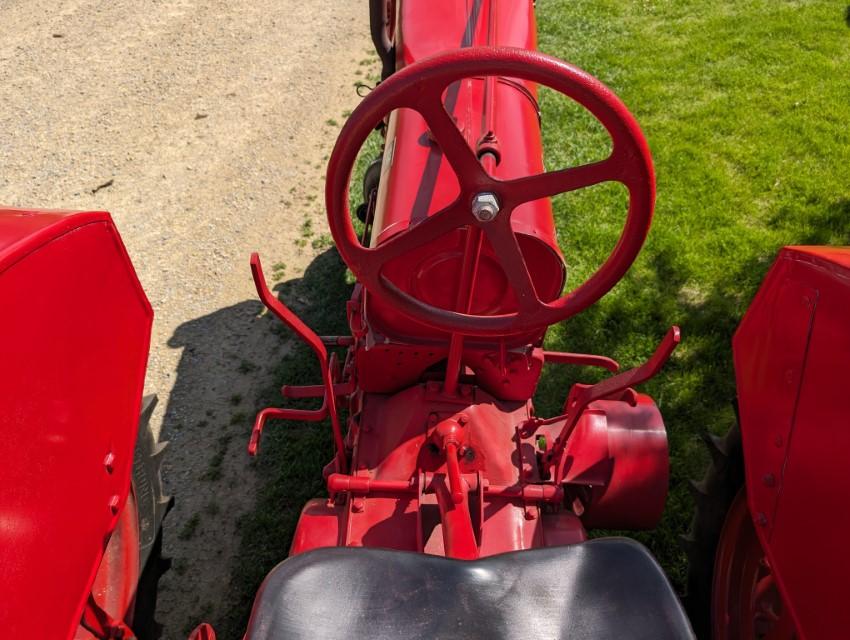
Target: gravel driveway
203, 128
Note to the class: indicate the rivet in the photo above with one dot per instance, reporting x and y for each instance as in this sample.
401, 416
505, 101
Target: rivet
357, 505
109, 462
761, 519
113, 504
769, 480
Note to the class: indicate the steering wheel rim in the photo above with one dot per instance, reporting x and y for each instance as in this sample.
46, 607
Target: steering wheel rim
420, 87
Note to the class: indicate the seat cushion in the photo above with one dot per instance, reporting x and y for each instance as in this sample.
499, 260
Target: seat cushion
604, 588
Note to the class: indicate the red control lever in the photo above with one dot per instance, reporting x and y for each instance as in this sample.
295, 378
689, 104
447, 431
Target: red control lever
315, 343
453, 469
451, 435
581, 395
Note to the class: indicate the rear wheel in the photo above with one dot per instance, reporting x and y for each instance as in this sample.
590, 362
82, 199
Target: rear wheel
731, 591
153, 506
125, 587
746, 604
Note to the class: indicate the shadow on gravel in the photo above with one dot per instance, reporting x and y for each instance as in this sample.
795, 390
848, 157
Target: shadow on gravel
211, 366
206, 422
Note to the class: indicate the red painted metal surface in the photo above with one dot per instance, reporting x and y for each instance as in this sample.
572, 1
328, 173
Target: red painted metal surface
445, 25
318, 525
203, 632
399, 466
791, 355
68, 411
617, 463
399, 441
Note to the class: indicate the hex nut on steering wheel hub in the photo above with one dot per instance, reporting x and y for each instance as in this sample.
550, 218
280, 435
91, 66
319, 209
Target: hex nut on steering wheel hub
485, 206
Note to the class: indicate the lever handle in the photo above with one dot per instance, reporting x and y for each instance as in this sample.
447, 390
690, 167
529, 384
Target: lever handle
582, 395
315, 343
296, 415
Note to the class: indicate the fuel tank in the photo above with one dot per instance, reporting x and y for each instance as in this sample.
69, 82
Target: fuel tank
500, 120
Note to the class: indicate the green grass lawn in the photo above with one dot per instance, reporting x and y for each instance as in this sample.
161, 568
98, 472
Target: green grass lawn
746, 106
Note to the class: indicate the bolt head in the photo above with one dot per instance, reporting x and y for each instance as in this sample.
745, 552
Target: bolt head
109, 462
485, 206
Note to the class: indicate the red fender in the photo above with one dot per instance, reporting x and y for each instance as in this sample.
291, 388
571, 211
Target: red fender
791, 361
74, 335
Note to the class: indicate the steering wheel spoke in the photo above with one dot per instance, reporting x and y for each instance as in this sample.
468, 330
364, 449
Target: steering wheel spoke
509, 255
434, 226
449, 138
552, 183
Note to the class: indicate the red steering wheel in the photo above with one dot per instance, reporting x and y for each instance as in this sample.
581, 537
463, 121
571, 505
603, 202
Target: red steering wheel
420, 87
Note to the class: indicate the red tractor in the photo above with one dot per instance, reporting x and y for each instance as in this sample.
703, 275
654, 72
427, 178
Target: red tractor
453, 509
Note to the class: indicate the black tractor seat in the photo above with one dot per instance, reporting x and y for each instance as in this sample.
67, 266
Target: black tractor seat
601, 589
